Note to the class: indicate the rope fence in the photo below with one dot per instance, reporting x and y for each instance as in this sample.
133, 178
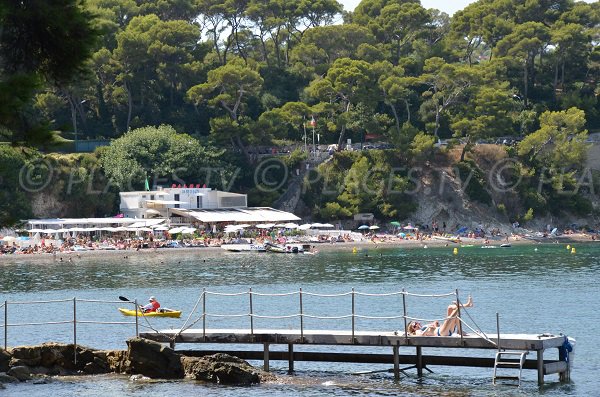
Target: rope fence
301, 314
249, 312
72, 302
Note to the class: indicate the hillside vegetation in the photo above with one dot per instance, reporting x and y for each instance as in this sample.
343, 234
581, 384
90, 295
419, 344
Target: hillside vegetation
226, 84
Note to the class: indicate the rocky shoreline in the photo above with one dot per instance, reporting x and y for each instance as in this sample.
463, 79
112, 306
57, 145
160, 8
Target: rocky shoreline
143, 358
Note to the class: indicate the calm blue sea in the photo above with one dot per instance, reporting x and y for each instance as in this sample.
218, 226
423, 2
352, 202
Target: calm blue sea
535, 289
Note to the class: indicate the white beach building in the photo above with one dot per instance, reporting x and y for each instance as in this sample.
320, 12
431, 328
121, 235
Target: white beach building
167, 208
197, 205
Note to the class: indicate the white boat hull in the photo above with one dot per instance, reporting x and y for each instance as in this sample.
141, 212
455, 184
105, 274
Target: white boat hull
244, 247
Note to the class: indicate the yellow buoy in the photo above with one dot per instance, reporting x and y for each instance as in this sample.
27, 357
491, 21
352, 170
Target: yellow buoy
568, 246
354, 250
455, 251
573, 250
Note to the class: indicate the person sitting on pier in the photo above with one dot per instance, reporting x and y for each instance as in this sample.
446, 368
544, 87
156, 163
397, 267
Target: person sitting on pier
450, 326
152, 305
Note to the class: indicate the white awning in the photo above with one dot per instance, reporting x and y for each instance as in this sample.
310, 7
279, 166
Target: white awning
147, 222
238, 215
81, 221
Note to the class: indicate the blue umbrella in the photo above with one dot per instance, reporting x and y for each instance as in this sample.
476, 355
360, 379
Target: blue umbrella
363, 227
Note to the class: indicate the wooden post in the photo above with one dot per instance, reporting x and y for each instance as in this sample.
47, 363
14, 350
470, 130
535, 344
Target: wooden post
204, 314
566, 375
266, 357
290, 357
396, 349
540, 366
419, 362
74, 330
353, 308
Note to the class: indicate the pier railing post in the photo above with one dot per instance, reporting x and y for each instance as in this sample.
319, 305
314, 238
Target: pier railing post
5, 324
137, 321
353, 314
251, 315
204, 314
75, 330
301, 318
404, 314
498, 331
460, 332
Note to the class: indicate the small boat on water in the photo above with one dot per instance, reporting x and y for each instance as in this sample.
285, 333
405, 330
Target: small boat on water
162, 312
242, 245
284, 248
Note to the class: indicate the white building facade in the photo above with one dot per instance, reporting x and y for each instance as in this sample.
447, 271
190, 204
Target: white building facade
158, 203
196, 206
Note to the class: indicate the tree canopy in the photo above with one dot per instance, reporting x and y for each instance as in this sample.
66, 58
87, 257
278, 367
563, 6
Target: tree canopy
241, 75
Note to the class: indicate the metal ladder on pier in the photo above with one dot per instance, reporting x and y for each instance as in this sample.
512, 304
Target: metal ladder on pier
514, 359
503, 361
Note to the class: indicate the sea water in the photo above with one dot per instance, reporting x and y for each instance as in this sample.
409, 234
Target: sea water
535, 289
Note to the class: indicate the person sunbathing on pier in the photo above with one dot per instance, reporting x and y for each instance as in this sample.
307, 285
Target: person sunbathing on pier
449, 327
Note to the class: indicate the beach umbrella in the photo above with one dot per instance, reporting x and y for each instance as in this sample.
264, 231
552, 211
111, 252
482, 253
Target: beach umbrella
374, 227
409, 227
306, 226
401, 234
395, 223
363, 227
265, 225
327, 225
9, 238
291, 226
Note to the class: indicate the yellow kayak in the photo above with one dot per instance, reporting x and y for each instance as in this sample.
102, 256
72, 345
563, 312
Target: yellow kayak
160, 313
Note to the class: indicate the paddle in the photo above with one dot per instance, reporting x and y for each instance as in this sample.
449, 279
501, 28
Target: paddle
129, 300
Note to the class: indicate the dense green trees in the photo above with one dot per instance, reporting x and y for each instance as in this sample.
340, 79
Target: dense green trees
238, 74
159, 155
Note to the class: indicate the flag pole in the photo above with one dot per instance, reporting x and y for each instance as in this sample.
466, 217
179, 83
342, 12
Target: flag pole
304, 126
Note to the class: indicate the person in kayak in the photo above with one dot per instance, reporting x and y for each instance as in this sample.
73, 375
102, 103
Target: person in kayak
152, 305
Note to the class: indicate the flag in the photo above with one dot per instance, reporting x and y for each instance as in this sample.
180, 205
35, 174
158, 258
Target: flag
146, 185
313, 122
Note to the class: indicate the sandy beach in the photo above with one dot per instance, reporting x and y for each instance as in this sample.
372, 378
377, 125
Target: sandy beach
379, 243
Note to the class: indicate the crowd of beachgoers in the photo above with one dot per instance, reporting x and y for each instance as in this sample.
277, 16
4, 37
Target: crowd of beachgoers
149, 241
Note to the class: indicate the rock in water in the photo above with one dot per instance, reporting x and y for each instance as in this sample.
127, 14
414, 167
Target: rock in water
152, 359
220, 368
